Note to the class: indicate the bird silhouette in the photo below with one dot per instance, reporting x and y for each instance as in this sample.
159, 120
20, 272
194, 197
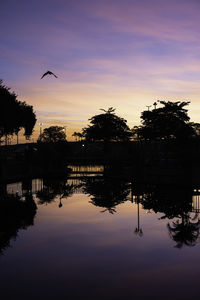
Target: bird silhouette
48, 73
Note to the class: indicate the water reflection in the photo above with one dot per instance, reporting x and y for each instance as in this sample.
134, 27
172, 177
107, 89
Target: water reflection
184, 232
53, 188
115, 231
15, 214
106, 192
138, 229
177, 204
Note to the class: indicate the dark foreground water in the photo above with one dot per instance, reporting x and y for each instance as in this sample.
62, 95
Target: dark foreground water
92, 242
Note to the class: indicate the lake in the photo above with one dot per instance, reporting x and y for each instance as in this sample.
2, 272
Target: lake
89, 236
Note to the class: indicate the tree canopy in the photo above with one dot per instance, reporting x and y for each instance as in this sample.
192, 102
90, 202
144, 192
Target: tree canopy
14, 114
52, 134
169, 121
106, 193
106, 127
185, 232
78, 135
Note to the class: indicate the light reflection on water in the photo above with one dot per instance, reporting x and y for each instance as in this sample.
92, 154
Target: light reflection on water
91, 246
86, 168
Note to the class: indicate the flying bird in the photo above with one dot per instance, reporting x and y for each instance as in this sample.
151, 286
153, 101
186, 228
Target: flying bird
48, 73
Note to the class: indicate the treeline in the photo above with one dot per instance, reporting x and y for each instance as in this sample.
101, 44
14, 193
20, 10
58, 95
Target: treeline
166, 121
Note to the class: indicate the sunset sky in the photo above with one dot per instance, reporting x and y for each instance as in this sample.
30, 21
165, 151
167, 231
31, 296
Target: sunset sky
124, 54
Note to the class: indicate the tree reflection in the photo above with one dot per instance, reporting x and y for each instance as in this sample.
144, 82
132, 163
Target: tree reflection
175, 204
15, 214
106, 193
53, 188
184, 232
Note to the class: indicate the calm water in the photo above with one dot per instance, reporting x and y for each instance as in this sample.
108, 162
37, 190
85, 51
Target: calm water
102, 239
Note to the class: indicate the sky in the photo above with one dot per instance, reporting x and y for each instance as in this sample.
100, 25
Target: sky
106, 53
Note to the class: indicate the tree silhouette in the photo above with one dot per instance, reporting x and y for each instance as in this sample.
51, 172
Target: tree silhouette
53, 188
107, 127
171, 201
15, 214
106, 193
174, 203
78, 135
167, 122
184, 232
15, 114
52, 134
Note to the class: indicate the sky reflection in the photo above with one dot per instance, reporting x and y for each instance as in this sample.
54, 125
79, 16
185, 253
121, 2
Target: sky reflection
78, 251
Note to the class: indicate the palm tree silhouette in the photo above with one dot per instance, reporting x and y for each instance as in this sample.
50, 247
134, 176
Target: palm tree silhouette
184, 232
